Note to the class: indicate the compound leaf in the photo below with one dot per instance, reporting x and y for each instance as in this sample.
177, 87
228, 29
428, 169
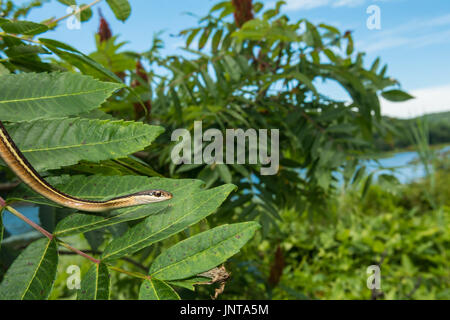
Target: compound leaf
32, 274
154, 289
184, 212
32, 96
202, 252
95, 284
54, 143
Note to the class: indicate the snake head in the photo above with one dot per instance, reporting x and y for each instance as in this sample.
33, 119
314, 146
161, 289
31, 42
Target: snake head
151, 196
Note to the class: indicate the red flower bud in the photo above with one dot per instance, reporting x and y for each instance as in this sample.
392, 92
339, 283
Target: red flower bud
104, 31
242, 11
138, 110
276, 270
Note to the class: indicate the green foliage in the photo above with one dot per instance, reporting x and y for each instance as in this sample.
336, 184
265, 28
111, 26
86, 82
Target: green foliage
95, 284
32, 274
86, 152
55, 143
121, 8
23, 27
87, 127
398, 136
154, 289
202, 252
181, 214
396, 95
328, 258
55, 96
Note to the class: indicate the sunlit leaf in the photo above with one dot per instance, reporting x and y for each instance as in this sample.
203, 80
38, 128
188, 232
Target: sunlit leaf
51, 144
31, 96
183, 213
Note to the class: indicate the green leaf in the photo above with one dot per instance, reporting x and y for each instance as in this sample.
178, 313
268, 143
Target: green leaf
47, 218
204, 38
2, 228
23, 27
305, 80
216, 39
191, 36
100, 187
86, 14
25, 51
32, 274
3, 70
79, 60
396, 95
52, 144
190, 282
367, 185
95, 238
68, 2
224, 173
184, 211
154, 289
121, 8
219, 6
31, 96
117, 167
95, 284
202, 252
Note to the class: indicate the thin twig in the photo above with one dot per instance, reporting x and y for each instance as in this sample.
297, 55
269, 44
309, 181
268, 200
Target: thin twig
9, 185
79, 252
73, 13
416, 287
28, 221
132, 274
67, 246
43, 231
4, 34
131, 261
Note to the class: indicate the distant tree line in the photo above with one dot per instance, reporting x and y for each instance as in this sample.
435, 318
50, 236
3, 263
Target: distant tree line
438, 131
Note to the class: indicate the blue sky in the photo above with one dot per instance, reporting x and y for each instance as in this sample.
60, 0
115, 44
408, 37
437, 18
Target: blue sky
414, 39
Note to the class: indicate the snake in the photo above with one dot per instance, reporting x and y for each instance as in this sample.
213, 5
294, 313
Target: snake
17, 162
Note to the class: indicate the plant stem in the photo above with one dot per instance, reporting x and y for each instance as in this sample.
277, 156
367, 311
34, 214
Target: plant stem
131, 261
79, 252
74, 12
43, 231
4, 34
47, 234
132, 274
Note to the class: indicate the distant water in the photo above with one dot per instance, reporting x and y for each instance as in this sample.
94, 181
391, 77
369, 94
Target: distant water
16, 226
401, 163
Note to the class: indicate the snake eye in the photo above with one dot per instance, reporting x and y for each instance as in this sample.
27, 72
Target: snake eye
157, 194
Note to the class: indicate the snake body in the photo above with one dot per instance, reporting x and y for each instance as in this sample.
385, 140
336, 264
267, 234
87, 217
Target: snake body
16, 161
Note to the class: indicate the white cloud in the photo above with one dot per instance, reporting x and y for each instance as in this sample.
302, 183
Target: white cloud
427, 100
